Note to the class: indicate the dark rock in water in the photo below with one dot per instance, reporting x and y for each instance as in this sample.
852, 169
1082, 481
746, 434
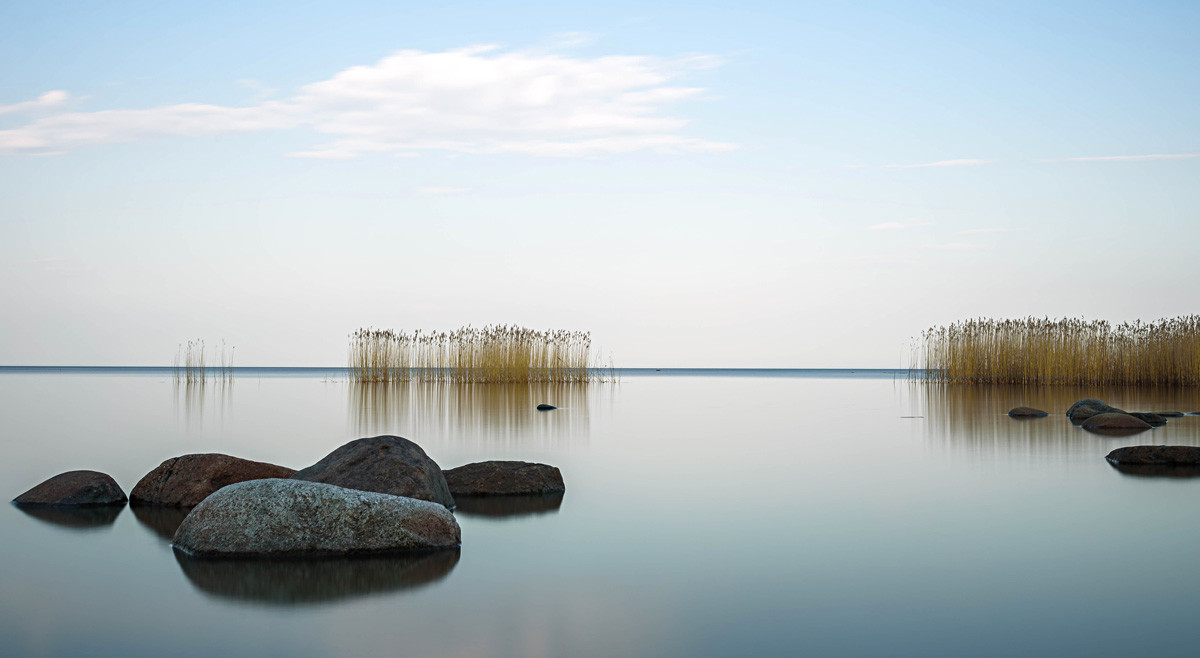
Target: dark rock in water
187, 480
1160, 455
546, 407
1115, 422
504, 478
162, 521
1153, 420
295, 518
1086, 408
1027, 412
508, 506
1170, 414
1193, 413
74, 489
90, 517
384, 464
308, 582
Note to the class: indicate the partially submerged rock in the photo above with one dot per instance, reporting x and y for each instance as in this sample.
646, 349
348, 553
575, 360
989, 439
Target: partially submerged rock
546, 407
1115, 422
1156, 455
1151, 419
295, 518
187, 480
1170, 414
1027, 412
1088, 407
384, 464
504, 478
74, 489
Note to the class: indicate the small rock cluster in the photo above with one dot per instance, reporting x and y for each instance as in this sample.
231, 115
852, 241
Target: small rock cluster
1100, 418
374, 495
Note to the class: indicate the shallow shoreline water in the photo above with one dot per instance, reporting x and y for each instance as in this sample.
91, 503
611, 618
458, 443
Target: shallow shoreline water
707, 513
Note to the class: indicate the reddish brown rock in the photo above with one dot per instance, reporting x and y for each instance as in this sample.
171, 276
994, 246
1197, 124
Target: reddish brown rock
1156, 455
1115, 421
74, 489
1027, 412
384, 464
501, 478
187, 480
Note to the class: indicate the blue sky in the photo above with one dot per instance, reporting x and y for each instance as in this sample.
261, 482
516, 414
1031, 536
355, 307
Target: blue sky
773, 184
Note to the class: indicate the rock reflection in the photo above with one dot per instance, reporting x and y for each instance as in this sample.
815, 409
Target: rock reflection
162, 521
974, 418
75, 518
479, 413
311, 582
508, 506
1158, 470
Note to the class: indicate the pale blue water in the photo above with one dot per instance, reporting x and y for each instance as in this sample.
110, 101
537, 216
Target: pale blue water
707, 513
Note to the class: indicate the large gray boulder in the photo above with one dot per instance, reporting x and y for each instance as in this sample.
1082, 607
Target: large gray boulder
294, 518
1088, 407
74, 489
504, 478
385, 464
186, 480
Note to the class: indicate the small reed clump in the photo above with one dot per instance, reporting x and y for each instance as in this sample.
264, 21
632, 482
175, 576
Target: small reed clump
191, 367
493, 354
1067, 351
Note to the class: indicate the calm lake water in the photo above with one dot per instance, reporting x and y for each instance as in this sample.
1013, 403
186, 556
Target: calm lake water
707, 513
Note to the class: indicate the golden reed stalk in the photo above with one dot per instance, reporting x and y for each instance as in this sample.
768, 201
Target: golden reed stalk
493, 354
1068, 351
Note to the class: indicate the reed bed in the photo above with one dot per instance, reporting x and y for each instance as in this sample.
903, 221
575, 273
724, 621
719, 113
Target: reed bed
1068, 351
493, 354
191, 364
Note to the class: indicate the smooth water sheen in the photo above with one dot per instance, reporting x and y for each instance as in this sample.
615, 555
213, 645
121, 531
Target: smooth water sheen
707, 513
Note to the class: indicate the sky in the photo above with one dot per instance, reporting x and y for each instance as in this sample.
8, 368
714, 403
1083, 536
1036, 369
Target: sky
698, 184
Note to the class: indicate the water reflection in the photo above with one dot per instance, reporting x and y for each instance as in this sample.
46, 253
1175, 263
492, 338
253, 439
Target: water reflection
162, 521
193, 398
1157, 470
973, 418
473, 413
75, 518
508, 506
308, 582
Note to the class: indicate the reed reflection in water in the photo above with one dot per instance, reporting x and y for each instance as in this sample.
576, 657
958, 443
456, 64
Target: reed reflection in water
480, 414
309, 582
972, 418
194, 396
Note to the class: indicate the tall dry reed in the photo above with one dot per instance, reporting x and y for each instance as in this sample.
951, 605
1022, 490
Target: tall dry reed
191, 366
493, 354
1067, 351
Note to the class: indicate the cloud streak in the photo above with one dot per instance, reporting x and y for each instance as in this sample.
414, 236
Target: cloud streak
472, 100
898, 226
1131, 158
940, 163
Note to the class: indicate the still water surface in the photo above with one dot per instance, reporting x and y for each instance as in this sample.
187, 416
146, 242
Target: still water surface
707, 513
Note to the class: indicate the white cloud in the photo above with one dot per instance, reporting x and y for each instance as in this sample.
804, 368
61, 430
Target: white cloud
983, 231
940, 163
48, 100
898, 226
1131, 158
952, 246
472, 100
442, 190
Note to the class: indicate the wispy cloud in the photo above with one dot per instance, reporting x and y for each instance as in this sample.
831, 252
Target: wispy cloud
471, 100
940, 163
983, 231
952, 246
899, 226
441, 190
1130, 158
46, 101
